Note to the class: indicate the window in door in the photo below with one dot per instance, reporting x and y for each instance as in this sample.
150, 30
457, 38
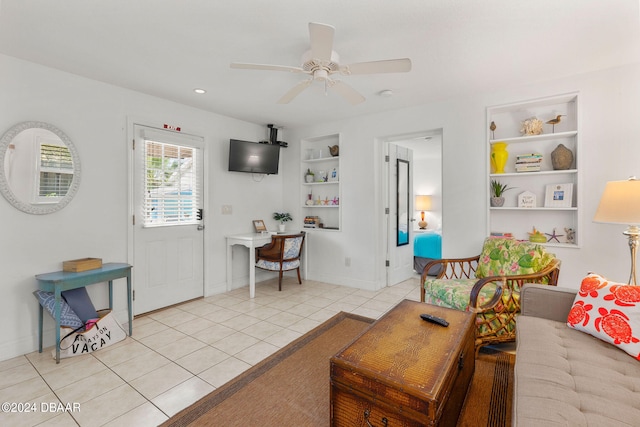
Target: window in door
172, 193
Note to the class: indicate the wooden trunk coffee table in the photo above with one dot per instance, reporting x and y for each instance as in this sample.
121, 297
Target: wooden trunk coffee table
404, 371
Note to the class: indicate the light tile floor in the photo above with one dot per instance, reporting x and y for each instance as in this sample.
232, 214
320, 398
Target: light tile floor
178, 355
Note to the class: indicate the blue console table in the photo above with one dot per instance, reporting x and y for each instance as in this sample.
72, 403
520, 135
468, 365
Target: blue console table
60, 281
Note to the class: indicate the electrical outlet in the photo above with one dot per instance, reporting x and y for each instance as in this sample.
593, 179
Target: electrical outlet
347, 261
226, 210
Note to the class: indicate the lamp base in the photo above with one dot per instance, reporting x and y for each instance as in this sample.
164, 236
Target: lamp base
633, 233
422, 225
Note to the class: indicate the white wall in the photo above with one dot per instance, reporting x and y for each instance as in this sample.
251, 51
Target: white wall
609, 129
95, 223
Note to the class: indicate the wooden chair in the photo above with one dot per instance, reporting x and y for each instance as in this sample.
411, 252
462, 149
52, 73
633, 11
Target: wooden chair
281, 254
489, 284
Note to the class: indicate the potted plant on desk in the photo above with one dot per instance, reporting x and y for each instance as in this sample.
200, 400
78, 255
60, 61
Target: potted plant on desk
282, 217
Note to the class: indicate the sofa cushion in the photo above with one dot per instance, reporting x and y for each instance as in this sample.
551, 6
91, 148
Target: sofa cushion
509, 257
565, 377
609, 311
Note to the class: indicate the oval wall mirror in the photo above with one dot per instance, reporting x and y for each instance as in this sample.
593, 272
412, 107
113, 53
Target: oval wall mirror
39, 168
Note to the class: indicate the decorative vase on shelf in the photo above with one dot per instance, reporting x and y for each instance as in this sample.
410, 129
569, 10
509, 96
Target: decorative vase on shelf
282, 227
561, 158
499, 156
497, 202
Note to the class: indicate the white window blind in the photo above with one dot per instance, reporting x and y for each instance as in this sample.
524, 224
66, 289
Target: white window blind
55, 171
172, 190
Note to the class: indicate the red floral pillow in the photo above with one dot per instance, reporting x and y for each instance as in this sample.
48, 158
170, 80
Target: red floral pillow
609, 311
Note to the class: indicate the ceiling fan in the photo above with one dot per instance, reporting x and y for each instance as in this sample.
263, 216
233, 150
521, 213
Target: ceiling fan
321, 62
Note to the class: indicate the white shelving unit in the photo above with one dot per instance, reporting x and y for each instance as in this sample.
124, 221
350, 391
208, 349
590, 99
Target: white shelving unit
325, 189
518, 220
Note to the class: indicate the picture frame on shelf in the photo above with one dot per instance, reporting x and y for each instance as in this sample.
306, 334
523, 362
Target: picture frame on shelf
259, 226
333, 175
526, 199
558, 195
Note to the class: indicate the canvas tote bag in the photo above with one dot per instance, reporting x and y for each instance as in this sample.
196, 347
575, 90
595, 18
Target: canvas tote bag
104, 332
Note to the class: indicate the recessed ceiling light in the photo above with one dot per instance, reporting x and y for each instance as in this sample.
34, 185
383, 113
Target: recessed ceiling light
387, 93
200, 91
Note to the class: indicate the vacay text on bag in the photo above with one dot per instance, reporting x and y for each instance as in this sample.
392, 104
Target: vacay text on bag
103, 333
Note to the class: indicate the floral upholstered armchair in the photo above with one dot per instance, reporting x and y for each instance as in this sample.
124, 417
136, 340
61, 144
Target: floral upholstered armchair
281, 254
489, 284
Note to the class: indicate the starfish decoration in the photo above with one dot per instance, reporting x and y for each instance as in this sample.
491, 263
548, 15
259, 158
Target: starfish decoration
554, 236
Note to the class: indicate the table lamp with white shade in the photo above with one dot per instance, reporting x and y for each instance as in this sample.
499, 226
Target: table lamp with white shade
620, 204
423, 203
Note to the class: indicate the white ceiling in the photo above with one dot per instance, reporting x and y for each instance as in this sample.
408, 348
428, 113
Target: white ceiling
167, 48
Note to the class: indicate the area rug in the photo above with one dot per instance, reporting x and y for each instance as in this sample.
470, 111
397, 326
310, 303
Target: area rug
291, 387
489, 400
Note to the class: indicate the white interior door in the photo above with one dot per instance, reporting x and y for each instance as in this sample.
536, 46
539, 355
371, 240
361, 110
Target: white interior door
168, 237
400, 205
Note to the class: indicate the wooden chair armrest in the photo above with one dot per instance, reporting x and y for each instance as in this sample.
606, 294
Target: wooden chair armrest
551, 272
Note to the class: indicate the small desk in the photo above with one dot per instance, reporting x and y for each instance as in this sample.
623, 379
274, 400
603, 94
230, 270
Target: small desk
252, 241
60, 281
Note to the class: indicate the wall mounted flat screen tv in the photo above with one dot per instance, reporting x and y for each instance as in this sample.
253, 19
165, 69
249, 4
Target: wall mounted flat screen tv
245, 156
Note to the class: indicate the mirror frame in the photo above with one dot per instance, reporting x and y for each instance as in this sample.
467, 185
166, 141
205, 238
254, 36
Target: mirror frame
402, 198
5, 189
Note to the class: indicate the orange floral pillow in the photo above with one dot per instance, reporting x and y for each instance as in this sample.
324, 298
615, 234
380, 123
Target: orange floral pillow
609, 311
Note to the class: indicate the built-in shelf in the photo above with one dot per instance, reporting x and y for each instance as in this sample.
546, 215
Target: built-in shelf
537, 138
315, 156
549, 172
515, 208
519, 221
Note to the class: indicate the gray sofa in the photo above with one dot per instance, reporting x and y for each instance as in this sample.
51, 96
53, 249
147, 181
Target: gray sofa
565, 377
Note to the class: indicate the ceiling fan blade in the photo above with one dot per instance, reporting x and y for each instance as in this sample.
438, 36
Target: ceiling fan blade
245, 66
349, 93
321, 36
294, 91
374, 67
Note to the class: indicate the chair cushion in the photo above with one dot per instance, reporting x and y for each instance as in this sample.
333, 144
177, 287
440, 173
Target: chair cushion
609, 311
456, 293
79, 301
509, 257
67, 316
275, 266
292, 248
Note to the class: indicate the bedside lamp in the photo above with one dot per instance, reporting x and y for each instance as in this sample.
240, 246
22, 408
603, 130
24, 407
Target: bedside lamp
620, 204
423, 203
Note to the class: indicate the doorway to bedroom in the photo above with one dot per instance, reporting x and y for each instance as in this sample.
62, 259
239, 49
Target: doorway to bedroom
414, 226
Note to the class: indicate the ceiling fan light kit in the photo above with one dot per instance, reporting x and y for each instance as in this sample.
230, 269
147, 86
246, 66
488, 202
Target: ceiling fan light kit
321, 61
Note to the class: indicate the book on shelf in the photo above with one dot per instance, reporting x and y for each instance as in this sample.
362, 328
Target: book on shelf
501, 234
311, 222
529, 156
528, 168
528, 162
